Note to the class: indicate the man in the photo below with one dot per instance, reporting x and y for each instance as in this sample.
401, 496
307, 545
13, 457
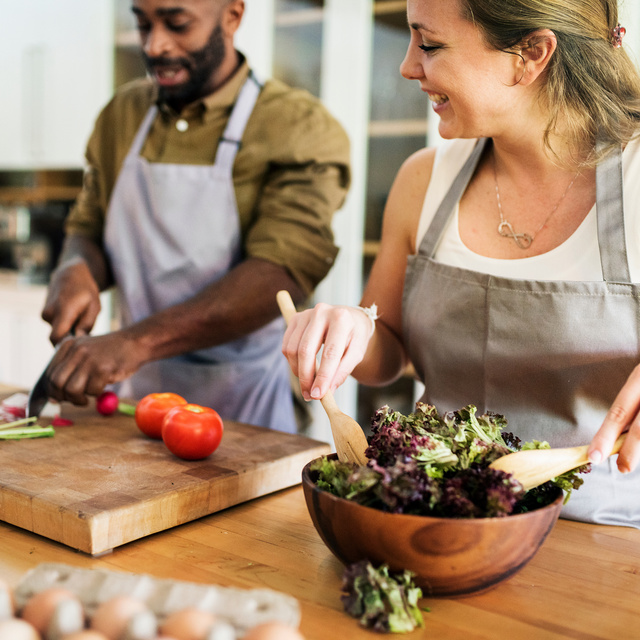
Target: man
205, 194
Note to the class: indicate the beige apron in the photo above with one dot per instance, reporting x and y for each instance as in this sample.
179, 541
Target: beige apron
549, 355
171, 230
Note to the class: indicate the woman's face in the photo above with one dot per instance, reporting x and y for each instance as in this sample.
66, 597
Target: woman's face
472, 88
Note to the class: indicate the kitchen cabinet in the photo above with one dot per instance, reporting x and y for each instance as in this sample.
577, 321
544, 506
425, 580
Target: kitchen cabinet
57, 61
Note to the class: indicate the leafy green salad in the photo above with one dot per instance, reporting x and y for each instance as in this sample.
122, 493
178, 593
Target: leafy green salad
432, 465
438, 465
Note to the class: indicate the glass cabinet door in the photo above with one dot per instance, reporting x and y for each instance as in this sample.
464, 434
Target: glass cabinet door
398, 123
398, 127
297, 49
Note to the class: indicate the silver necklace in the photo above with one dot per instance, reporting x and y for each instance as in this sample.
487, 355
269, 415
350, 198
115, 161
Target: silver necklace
505, 228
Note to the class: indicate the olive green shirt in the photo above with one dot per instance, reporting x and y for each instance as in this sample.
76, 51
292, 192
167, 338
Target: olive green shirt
290, 175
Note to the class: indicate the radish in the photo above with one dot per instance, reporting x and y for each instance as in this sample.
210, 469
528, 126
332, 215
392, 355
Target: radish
107, 403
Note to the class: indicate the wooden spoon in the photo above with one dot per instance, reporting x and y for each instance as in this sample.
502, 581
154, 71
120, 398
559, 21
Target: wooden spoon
536, 466
348, 436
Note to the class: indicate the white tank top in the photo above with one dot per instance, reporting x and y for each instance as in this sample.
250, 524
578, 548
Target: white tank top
576, 259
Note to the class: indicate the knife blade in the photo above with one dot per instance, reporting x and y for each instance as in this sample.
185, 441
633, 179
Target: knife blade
39, 395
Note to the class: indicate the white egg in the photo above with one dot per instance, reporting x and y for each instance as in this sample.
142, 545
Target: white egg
7, 603
16, 629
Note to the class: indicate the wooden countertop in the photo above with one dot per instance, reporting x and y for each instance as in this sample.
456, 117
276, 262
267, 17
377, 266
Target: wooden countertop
584, 582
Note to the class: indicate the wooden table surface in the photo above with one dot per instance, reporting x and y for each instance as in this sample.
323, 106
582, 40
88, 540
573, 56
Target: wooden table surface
583, 584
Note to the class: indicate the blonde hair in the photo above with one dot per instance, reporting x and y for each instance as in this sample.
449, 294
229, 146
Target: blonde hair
594, 86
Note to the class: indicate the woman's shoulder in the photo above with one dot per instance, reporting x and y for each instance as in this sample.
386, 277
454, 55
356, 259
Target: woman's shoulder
444, 159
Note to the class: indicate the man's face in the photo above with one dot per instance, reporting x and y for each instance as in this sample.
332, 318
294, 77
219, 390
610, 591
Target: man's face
183, 46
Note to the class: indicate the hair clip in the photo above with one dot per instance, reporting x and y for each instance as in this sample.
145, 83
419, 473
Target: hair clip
617, 33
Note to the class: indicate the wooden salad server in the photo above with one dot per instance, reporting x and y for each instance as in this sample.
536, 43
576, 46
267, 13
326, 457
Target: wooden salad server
348, 436
536, 466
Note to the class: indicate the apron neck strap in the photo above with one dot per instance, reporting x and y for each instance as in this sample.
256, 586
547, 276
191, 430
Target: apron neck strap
232, 135
436, 229
143, 130
609, 212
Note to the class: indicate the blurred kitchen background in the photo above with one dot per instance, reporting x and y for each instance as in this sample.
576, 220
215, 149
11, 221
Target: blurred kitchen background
63, 59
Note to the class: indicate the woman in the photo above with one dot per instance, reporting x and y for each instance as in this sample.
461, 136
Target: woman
519, 294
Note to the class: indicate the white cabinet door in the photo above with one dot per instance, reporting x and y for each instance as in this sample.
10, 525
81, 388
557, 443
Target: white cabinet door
57, 59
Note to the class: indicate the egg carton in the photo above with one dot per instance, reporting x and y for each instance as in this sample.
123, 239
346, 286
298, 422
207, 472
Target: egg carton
241, 609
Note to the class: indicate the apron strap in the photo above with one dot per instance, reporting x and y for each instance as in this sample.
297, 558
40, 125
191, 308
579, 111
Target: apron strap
610, 214
242, 110
432, 237
143, 130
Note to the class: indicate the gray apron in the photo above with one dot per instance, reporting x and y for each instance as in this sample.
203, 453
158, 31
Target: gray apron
550, 356
172, 230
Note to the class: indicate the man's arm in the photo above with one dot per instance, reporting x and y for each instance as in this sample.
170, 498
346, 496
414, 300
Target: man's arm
234, 306
239, 303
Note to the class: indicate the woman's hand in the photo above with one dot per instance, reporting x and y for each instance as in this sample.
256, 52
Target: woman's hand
343, 333
624, 415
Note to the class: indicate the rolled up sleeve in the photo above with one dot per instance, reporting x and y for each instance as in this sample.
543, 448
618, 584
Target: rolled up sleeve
305, 184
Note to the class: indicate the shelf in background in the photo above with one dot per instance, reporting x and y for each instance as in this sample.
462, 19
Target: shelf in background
395, 128
22, 187
388, 10
35, 195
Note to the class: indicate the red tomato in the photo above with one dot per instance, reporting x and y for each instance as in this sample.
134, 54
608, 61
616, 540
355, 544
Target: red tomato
151, 410
192, 432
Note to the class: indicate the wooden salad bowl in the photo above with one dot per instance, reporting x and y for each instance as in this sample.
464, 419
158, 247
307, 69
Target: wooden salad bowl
450, 557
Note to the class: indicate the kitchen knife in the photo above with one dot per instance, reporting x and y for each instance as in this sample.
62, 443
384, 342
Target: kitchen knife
38, 396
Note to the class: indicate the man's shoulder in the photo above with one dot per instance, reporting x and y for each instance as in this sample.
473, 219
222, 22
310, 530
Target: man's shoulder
286, 102
303, 116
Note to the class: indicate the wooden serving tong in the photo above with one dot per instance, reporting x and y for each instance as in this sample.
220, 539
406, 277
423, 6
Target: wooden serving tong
348, 436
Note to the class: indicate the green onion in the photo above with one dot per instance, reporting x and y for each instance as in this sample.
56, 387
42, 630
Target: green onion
26, 432
17, 423
126, 408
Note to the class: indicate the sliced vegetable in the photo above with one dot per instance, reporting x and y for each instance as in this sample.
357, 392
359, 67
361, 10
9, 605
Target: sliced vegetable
21, 433
24, 428
61, 422
18, 423
15, 405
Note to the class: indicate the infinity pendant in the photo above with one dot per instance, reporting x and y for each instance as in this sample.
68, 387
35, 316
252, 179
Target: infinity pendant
523, 240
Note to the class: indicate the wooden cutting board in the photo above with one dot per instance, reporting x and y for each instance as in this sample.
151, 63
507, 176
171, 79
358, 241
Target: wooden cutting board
102, 483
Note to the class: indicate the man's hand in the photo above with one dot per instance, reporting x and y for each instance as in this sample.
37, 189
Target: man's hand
84, 365
73, 301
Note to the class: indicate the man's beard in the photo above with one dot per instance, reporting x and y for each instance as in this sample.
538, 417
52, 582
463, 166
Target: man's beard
201, 64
